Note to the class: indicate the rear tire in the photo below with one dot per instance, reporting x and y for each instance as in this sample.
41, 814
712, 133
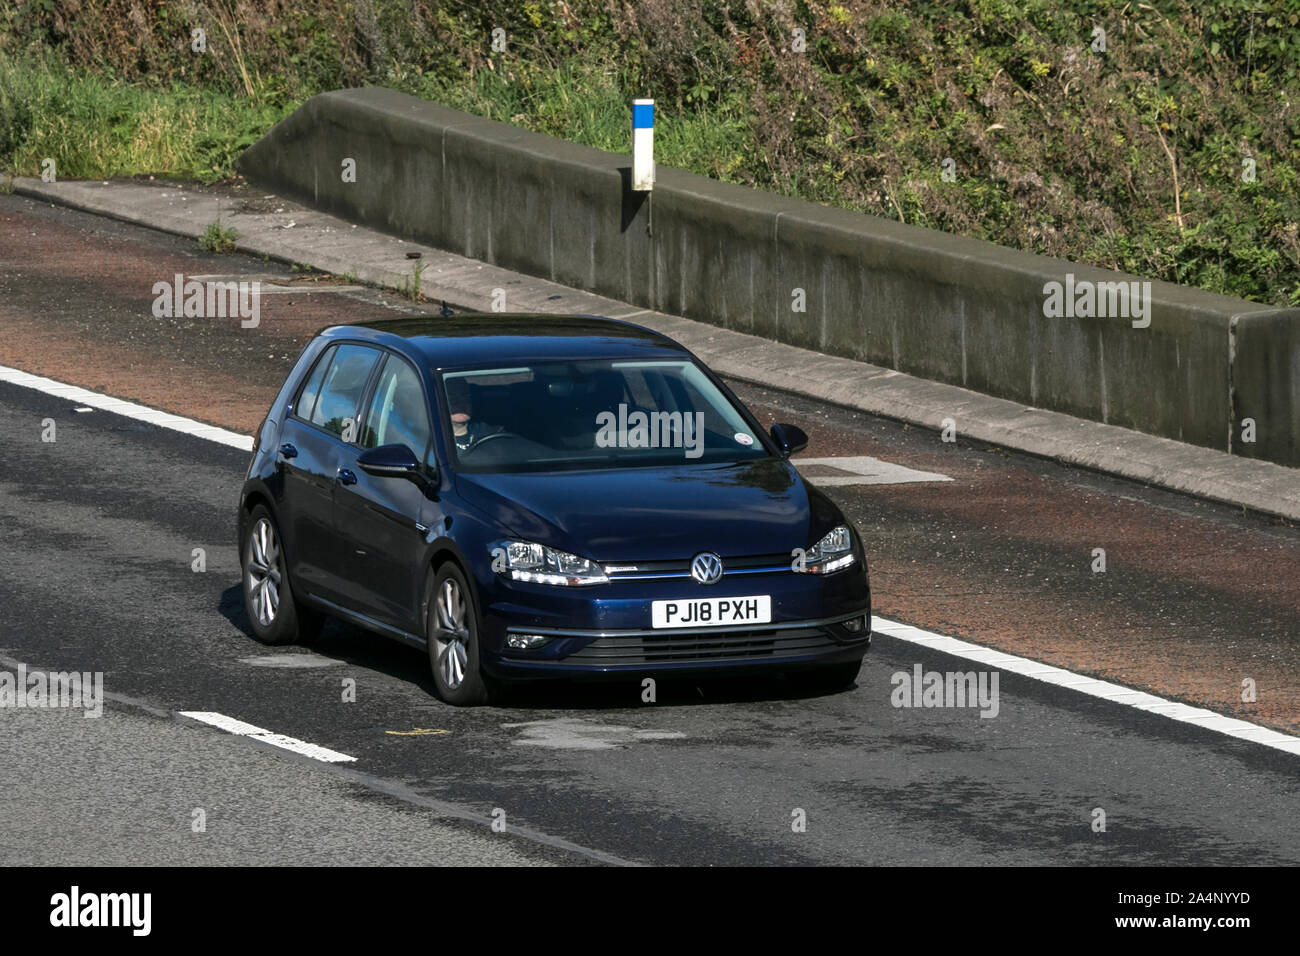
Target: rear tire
452, 630
274, 613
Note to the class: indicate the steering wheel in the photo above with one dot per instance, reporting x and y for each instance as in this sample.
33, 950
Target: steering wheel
487, 438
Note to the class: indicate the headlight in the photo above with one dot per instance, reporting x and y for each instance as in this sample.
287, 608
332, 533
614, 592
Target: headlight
527, 561
831, 553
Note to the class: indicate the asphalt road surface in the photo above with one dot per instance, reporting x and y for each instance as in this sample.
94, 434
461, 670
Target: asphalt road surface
97, 573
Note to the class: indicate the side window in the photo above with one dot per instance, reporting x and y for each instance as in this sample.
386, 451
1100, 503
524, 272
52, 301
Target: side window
638, 388
398, 413
307, 397
340, 393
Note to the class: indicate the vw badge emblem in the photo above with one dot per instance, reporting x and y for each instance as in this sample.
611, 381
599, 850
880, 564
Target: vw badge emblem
706, 568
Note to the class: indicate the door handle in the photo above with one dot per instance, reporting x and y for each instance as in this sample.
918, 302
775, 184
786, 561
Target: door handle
288, 450
347, 476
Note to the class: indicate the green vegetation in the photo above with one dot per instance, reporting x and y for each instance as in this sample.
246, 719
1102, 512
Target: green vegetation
97, 127
411, 286
218, 238
1174, 154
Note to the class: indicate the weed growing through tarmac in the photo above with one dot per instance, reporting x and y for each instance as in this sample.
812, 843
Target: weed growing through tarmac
218, 238
411, 287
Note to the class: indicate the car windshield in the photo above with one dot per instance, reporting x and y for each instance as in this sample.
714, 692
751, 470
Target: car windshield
593, 414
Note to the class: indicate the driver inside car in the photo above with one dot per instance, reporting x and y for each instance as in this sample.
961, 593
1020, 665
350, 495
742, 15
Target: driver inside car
465, 431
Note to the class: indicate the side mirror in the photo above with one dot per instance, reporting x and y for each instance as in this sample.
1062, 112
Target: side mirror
390, 461
791, 439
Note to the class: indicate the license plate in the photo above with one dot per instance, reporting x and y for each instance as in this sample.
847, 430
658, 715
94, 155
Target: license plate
712, 612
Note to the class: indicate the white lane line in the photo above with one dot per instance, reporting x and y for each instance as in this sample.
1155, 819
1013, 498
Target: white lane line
241, 729
1115, 693
117, 406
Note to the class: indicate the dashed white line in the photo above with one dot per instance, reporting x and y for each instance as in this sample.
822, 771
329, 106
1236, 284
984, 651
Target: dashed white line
241, 729
1114, 693
117, 406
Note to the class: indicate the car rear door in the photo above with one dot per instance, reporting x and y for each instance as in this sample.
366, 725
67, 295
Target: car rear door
313, 444
381, 522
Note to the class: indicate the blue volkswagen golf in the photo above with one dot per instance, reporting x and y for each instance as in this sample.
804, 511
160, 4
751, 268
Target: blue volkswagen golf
534, 496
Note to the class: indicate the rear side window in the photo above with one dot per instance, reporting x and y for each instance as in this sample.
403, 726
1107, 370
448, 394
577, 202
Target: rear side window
307, 397
341, 389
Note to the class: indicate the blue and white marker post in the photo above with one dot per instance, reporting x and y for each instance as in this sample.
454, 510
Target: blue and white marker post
643, 145
643, 158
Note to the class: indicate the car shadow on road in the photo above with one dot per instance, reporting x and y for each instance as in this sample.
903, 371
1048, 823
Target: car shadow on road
360, 648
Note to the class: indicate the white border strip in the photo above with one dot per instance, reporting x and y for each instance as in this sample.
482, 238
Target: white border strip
117, 406
1115, 693
241, 729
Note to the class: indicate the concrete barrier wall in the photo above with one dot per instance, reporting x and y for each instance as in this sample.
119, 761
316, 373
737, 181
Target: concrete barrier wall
938, 306
1266, 384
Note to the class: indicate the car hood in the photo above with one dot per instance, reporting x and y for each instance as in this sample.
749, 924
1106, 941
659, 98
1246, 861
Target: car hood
657, 514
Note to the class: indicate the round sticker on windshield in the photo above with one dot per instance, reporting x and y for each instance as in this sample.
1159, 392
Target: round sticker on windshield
744, 439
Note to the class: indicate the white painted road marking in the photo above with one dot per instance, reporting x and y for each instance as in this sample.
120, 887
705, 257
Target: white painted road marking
574, 733
241, 729
862, 471
141, 413
272, 285
292, 661
867, 468
1115, 693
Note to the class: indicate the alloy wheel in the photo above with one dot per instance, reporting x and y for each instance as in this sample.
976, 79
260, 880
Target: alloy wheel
451, 635
262, 572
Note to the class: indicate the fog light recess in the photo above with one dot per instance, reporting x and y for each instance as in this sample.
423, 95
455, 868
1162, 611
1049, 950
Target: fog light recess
526, 642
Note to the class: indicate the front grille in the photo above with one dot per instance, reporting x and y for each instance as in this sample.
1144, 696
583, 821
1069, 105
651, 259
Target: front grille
705, 646
753, 564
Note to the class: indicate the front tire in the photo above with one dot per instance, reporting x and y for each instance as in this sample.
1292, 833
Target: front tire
452, 630
274, 613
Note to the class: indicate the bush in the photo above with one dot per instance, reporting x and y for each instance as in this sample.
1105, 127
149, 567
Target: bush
1056, 147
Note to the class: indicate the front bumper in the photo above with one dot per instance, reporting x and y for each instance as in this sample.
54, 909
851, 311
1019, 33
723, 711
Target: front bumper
683, 652
605, 630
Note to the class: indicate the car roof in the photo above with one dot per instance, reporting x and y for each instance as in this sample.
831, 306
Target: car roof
483, 339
